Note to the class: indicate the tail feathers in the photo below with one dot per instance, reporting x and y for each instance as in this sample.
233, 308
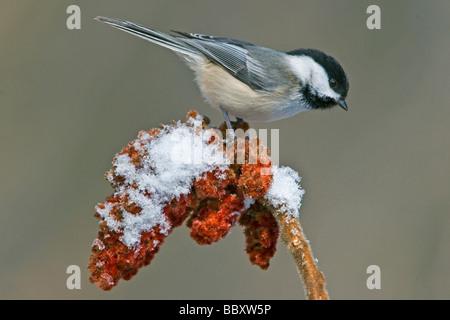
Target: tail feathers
159, 38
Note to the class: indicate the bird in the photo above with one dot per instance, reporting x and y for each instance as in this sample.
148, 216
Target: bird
251, 82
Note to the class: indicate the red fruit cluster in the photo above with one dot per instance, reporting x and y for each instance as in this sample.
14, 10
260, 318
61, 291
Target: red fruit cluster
261, 232
218, 206
217, 200
111, 259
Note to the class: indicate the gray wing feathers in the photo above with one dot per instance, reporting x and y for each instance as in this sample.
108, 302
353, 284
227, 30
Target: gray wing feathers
235, 58
241, 59
230, 57
213, 38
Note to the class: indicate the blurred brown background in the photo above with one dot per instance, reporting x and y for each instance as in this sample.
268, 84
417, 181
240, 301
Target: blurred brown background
377, 177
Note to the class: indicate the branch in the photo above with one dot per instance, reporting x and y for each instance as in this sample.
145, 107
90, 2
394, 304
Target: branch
298, 246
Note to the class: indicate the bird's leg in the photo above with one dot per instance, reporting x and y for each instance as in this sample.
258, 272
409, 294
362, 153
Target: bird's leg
230, 123
230, 136
227, 118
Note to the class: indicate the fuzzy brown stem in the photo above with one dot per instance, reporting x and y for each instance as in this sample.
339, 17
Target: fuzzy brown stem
298, 246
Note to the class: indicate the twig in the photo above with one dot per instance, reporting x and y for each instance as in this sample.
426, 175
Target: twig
298, 246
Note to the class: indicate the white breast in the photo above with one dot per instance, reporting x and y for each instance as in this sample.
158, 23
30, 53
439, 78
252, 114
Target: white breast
221, 89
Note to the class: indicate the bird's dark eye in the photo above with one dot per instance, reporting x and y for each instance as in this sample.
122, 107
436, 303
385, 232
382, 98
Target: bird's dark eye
333, 83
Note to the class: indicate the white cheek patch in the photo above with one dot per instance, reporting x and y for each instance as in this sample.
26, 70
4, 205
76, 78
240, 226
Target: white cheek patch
312, 73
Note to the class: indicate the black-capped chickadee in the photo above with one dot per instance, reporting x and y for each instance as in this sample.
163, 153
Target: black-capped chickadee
252, 82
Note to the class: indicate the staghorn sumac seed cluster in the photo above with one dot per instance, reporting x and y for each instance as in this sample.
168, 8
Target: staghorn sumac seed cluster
152, 196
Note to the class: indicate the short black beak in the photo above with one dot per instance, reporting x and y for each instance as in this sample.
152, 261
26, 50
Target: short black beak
342, 104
